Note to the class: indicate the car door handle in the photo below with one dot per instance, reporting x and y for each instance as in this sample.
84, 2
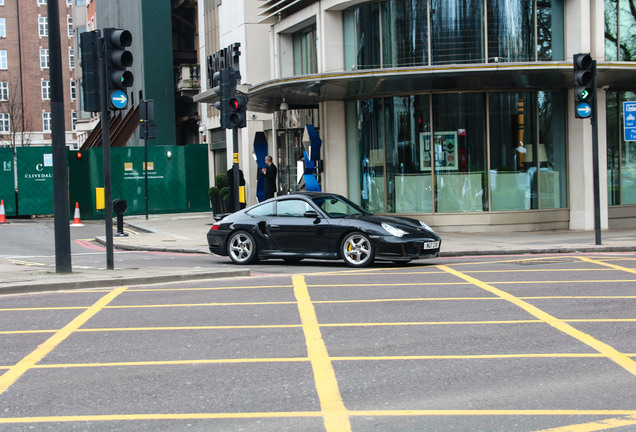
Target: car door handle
274, 226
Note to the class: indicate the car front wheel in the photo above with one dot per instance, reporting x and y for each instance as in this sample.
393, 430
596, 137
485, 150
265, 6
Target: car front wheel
241, 248
356, 250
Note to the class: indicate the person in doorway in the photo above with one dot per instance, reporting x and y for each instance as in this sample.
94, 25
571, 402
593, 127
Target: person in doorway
270, 173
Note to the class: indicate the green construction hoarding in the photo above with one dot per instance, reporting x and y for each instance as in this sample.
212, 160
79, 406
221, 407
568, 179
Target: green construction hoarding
177, 179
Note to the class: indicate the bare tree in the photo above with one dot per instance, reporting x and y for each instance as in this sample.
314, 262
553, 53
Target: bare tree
19, 125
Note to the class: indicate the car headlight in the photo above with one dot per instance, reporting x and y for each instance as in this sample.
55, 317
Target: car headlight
425, 225
393, 230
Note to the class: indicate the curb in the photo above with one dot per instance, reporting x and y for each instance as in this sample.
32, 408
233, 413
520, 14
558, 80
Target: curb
79, 280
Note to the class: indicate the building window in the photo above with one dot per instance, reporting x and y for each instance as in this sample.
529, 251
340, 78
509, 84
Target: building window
74, 120
71, 58
620, 31
46, 90
3, 28
419, 33
621, 154
73, 90
460, 152
43, 26
3, 59
4, 90
44, 58
46, 121
5, 123
305, 57
1, 2
41, 2
69, 25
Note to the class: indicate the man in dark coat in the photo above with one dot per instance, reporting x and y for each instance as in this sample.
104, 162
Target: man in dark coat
271, 174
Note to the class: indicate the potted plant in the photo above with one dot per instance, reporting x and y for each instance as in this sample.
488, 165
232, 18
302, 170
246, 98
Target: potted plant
215, 200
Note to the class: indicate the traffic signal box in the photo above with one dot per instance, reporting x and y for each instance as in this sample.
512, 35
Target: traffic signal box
584, 85
118, 78
233, 107
90, 71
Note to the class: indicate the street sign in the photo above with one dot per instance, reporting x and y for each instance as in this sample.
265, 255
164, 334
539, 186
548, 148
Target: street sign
629, 120
584, 109
118, 99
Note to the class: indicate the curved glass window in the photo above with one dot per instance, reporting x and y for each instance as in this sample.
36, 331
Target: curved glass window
457, 31
394, 33
620, 30
459, 152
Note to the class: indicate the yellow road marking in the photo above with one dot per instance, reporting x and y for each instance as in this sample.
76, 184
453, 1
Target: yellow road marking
336, 417
26, 263
614, 266
292, 414
619, 358
16, 371
600, 425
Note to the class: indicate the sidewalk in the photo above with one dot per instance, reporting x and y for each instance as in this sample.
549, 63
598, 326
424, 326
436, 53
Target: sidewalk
185, 233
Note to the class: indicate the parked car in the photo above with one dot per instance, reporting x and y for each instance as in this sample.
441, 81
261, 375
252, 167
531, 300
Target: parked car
323, 226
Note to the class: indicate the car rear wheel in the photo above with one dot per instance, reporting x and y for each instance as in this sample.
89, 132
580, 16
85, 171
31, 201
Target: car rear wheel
241, 248
356, 250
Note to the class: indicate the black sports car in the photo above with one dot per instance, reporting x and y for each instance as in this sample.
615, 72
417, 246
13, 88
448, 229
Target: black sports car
319, 225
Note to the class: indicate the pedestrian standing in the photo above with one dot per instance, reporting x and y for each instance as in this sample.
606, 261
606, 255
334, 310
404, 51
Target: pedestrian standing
270, 173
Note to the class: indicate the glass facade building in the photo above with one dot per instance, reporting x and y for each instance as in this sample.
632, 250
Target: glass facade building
456, 112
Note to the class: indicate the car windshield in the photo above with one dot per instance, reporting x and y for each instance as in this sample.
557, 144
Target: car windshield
338, 207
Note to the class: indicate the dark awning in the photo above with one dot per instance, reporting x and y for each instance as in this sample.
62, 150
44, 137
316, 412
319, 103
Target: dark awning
307, 91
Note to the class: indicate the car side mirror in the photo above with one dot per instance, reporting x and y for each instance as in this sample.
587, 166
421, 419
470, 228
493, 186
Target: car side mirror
311, 214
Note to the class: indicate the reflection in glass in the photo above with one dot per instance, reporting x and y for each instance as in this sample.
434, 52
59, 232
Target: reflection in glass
404, 33
511, 30
513, 151
457, 31
459, 152
613, 140
551, 154
371, 144
408, 155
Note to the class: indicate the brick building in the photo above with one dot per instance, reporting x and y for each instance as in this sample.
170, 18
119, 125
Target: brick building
25, 91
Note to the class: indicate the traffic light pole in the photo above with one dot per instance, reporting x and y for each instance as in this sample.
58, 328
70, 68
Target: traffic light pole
58, 138
235, 169
108, 193
595, 161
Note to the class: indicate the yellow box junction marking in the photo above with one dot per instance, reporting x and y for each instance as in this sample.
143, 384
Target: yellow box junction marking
335, 414
596, 426
619, 358
20, 368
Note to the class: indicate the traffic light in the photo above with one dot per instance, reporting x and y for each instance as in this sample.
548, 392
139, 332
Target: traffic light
226, 89
238, 107
117, 60
91, 88
584, 85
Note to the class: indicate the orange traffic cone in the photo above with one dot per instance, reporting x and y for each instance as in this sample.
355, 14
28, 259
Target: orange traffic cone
76, 216
3, 218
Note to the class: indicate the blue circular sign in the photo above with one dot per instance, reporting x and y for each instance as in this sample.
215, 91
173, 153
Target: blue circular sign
118, 99
584, 109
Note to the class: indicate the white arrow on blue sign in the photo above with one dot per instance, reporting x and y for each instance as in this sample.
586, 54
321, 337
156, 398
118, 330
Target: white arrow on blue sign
118, 99
584, 109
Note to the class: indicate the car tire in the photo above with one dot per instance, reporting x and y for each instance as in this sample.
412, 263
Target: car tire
241, 248
357, 250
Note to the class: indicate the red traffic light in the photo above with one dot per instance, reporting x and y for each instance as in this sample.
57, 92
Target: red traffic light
235, 104
79, 156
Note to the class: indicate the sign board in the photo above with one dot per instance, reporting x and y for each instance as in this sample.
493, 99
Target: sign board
118, 99
584, 109
629, 120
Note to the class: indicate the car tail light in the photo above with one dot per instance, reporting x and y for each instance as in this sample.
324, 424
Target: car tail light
215, 227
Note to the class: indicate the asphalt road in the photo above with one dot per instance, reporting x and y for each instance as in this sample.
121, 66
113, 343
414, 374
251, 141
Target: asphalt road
515, 343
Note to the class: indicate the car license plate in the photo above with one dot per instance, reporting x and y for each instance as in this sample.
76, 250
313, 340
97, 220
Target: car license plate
431, 245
